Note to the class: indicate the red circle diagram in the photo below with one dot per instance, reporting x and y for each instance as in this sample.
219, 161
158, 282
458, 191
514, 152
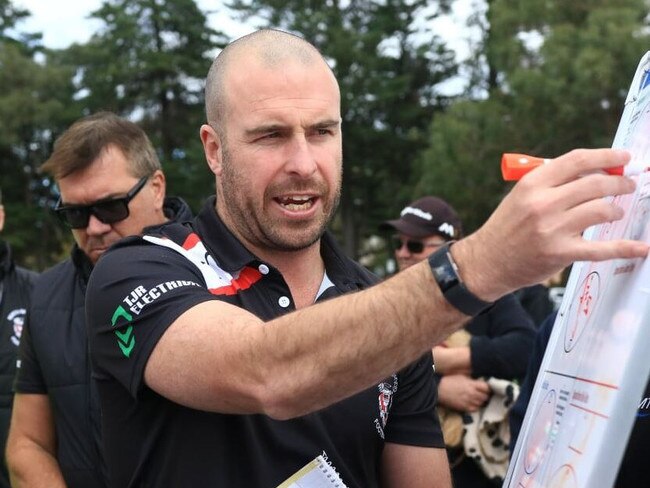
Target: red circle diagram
581, 310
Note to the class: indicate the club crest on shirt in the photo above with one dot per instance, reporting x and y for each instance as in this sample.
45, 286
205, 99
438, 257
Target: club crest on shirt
385, 399
17, 319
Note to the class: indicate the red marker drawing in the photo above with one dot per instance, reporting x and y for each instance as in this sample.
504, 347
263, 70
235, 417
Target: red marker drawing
515, 166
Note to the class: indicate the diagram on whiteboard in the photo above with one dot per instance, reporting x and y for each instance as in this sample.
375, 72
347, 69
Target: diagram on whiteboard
596, 363
581, 310
540, 440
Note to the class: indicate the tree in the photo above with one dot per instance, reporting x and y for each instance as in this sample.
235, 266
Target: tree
35, 105
389, 72
149, 62
555, 78
10, 17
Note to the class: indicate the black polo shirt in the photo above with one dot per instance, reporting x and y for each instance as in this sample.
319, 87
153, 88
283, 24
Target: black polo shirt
137, 291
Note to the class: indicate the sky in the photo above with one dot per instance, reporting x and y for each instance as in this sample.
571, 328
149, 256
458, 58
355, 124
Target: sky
63, 23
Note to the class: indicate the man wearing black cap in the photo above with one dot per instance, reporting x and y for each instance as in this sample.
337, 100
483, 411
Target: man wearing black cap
423, 226
499, 341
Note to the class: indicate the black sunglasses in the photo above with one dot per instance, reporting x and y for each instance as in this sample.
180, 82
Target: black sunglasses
108, 211
414, 247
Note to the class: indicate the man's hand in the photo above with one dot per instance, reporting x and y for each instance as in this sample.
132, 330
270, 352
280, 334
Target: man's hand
462, 393
537, 228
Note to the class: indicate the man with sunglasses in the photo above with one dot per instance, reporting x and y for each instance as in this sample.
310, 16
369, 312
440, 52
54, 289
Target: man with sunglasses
111, 186
422, 228
223, 350
500, 338
15, 289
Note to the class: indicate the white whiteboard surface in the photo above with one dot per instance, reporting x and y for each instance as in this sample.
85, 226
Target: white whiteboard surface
597, 361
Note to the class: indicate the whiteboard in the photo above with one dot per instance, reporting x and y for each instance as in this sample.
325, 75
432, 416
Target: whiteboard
597, 361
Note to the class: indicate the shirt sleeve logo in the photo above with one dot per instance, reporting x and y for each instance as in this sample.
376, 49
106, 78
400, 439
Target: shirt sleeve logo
17, 319
125, 339
385, 400
139, 298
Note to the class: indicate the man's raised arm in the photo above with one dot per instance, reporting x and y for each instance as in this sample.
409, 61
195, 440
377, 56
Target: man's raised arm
221, 358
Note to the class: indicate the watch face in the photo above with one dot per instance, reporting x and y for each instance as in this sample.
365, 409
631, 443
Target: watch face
445, 276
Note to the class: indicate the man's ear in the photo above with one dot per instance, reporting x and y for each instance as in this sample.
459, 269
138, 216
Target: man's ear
212, 147
159, 185
2, 217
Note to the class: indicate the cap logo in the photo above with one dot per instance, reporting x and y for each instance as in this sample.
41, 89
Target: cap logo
417, 212
446, 228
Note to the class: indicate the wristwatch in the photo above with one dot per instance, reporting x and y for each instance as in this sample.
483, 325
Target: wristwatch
445, 272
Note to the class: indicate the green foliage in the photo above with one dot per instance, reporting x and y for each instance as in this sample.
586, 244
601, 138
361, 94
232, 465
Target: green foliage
459, 164
10, 18
560, 72
35, 106
149, 61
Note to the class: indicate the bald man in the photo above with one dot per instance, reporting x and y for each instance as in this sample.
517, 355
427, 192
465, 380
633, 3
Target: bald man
224, 353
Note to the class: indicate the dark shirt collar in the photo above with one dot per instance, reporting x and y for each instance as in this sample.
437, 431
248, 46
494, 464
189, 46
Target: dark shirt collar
233, 256
341, 270
218, 239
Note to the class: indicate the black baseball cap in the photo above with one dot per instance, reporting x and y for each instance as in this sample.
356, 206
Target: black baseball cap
425, 217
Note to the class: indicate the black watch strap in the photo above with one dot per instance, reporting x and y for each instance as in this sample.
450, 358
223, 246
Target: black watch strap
445, 272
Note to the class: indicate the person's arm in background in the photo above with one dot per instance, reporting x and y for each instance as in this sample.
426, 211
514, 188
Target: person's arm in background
501, 339
502, 350
31, 447
516, 416
452, 360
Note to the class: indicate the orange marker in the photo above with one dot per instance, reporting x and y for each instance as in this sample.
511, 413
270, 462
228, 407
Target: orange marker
515, 166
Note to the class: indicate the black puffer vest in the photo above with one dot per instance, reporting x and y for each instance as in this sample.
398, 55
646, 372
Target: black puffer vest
15, 285
60, 342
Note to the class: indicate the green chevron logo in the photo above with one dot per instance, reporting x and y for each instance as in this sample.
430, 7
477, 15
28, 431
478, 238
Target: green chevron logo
125, 338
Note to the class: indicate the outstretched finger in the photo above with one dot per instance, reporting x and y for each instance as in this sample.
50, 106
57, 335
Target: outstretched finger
592, 187
576, 220
578, 163
603, 250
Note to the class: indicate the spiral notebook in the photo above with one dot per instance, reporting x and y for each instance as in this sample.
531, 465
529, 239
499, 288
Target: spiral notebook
318, 473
